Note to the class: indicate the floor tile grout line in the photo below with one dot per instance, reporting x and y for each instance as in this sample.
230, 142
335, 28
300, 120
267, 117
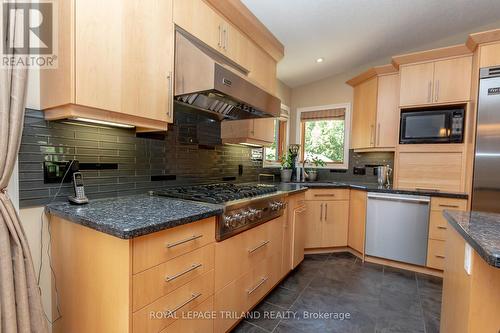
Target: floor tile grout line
255, 325
420, 303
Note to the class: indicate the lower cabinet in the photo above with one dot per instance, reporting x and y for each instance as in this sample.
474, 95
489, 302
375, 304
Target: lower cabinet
327, 218
247, 267
438, 229
357, 221
298, 235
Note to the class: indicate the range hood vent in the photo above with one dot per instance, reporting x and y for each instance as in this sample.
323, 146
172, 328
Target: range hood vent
206, 84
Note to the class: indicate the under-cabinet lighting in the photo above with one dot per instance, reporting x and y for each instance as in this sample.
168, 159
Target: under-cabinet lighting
250, 144
103, 122
319, 60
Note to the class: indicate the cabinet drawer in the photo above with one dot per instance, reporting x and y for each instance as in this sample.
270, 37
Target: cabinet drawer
176, 304
156, 248
440, 204
204, 324
160, 280
327, 194
435, 254
437, 226
243, 293
237, 255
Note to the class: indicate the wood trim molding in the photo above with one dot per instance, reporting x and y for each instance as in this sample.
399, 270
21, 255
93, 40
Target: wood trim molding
374, 71
401, 265
249, 141
429, 55
69, 111
482, 37
236, 12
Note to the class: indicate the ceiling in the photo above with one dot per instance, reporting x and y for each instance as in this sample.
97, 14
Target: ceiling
351, 33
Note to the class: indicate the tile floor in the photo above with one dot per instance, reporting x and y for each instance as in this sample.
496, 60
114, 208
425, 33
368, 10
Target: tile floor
378, 299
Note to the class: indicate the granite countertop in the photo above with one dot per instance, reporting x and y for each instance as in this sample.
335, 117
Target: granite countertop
370, 187
132, 216
481, 230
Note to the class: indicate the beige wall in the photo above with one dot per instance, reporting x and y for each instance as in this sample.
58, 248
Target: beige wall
284, 93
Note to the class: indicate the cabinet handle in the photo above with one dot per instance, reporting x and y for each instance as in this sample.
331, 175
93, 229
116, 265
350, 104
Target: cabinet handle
436, 98
262, 281
220, 37
174, 244
441, 227
183, 304
192, 268
372, 131
440, 257
326, 212
170, 94
264, 243
300, 210
325, 195
427, 189
429, 92
224, 38
321, 213
448, 206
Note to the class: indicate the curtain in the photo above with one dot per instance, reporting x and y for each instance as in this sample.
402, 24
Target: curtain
20, 301
323, 114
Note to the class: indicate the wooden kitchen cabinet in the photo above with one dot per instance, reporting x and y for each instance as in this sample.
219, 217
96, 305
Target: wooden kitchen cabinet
327, 218
443, 170
129, 69
435, 82
375, 118
357, 221
250, 131
294, 233
364, 114
416, 84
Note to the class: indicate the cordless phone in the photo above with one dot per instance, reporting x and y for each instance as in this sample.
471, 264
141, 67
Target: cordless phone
79, 198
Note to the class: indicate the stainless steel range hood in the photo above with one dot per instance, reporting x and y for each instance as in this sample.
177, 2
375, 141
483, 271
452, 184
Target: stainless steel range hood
209, 85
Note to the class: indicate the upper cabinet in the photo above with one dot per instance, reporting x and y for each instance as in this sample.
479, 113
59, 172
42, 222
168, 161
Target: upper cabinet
203, 22
124, 56
436, 82
248, 131
375, 115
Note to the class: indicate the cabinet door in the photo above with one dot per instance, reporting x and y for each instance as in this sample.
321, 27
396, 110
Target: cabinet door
364, 114
313, 224
430, 170
452, 80
287, 251
299, 226
357, 221
416, 84
335, 223
263, 129
387, 111
124, 56
201, 21
262, 68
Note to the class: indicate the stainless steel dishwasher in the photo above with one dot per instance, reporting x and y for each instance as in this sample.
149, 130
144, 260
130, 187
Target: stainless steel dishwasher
397, 227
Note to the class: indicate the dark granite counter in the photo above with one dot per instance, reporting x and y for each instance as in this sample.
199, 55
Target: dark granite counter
481, 231
291, 188
132, 216
370, 187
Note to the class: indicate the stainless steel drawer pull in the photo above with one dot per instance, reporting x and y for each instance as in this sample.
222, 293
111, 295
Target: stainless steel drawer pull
440, 257
192, 268
192, 238
325, 195
264, 243
262, 281
449, 206
442, 228
178, 307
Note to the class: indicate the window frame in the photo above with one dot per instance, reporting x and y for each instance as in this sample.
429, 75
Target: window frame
282, 143
347, 131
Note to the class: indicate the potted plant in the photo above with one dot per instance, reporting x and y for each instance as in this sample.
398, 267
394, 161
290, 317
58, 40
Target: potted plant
312, 174
286, 167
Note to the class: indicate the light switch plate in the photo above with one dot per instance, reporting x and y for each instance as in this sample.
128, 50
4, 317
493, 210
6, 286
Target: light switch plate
468, 259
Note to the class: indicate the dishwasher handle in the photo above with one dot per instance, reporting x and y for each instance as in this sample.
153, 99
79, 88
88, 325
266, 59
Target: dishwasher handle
401, 198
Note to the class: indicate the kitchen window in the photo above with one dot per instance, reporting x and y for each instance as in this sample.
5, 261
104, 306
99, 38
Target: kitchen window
324, 134
272, 154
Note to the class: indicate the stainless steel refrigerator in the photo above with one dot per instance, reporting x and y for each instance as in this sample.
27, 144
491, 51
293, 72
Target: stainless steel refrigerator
486, 184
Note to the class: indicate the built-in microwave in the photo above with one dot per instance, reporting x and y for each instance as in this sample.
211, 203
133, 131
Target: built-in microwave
432, 126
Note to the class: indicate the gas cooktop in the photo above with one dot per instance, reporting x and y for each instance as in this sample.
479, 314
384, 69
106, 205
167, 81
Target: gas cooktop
217, 193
